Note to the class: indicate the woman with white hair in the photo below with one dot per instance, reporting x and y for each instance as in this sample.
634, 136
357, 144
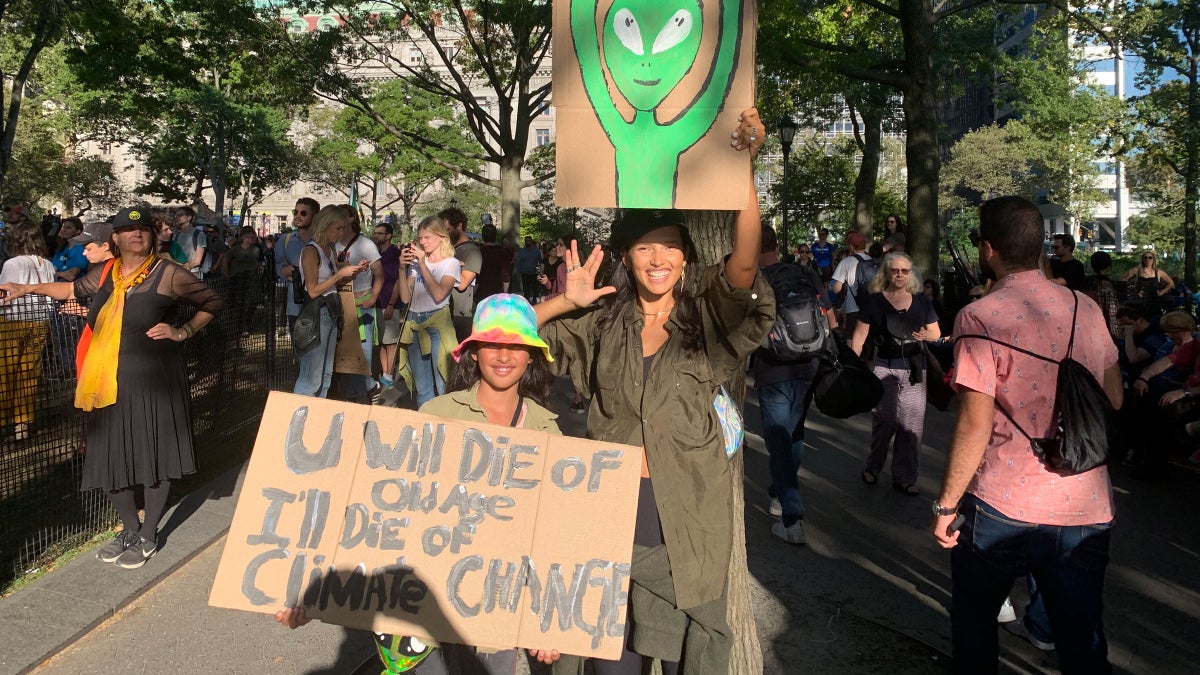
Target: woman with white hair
896, 318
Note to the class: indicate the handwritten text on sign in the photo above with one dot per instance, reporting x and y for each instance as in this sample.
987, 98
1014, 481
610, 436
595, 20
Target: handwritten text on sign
398, 522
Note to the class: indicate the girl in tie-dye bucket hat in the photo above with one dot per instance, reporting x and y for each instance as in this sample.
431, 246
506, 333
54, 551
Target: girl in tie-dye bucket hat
502, 377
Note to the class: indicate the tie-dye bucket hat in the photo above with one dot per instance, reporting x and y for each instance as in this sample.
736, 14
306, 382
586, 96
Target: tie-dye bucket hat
506, 319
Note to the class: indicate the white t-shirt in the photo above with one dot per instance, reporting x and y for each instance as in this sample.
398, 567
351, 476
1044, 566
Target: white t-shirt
421, 300
847, 273
362, 248
28, 269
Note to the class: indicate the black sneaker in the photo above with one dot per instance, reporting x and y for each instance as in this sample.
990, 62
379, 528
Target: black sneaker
137, 554
116, 546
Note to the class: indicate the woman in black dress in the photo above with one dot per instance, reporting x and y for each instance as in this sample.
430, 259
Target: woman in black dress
133, 381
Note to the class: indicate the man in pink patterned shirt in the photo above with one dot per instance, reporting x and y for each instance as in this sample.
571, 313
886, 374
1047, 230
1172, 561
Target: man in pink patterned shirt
1021, 517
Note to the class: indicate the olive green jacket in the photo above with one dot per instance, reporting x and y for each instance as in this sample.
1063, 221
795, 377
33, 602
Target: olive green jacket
464, 405
672, 416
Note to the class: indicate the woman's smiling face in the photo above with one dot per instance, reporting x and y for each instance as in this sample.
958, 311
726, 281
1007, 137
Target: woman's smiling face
656, 260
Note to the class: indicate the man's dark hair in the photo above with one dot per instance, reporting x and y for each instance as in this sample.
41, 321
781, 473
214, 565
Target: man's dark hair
1013, 226
186, 210
770, 241
1131, 312
1101, 262
454, 216
529, 241
1065, 240
488, 233
823, 231
387, 226
310, 203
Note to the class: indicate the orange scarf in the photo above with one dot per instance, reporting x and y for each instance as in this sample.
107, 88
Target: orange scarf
97, 386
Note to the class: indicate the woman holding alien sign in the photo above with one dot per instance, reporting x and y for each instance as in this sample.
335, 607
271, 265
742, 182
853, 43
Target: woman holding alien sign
649, 47
658, 345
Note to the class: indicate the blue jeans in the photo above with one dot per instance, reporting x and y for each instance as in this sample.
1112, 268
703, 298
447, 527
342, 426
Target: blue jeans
316, 365
426, 375
784, 405
1068, 563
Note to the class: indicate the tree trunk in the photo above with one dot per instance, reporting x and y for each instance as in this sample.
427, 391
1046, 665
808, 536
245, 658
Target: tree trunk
510, 195
921, 148
868, 171
1191, 181
712, 231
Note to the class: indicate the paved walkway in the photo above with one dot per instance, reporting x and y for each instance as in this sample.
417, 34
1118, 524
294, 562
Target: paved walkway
867, 594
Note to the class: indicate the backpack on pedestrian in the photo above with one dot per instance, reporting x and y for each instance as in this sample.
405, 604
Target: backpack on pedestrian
801, 329
864, 272
1082, 430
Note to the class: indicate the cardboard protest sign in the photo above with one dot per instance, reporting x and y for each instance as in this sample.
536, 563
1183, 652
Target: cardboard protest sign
647, 93
403, 523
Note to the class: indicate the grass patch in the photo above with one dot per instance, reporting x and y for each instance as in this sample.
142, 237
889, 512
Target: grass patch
60, 554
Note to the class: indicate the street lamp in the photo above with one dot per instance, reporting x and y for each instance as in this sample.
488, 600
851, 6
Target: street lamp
787, 132
453, 203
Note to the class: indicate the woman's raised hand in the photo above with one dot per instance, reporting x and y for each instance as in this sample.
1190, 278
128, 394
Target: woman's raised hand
750, 133
581, 288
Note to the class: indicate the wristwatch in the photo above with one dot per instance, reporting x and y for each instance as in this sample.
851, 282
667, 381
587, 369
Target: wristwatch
939, 510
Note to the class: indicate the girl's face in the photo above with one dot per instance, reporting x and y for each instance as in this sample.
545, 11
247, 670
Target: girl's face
501, 366
656, 261
68, 230
1147, 260
1179, 336
891, 224
334, 232
429, 241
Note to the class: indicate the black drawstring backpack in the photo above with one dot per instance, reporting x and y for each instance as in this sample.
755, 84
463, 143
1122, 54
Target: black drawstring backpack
1082, 413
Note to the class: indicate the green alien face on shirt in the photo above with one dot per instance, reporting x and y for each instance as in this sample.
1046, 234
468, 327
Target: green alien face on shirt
649, 45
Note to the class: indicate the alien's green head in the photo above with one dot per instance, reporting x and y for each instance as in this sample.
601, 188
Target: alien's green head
649, 45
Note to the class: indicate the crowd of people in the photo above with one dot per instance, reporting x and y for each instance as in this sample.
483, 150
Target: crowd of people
647, 336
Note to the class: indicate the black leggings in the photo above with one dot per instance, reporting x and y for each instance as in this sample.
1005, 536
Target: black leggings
125, 503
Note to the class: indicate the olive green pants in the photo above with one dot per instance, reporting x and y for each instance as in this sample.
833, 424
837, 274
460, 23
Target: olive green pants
699, 637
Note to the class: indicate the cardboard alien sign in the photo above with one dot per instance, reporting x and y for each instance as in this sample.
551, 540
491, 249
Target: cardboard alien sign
647, 93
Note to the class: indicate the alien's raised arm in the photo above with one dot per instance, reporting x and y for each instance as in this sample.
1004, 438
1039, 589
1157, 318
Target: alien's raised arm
709, 100
587, 51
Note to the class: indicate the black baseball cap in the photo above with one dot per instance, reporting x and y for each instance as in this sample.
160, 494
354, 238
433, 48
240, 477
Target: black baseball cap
634, 223
133, 216
98, 232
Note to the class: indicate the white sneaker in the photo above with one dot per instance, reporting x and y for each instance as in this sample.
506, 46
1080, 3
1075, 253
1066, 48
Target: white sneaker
1018, 628
792, 535
775, 509
1007, 612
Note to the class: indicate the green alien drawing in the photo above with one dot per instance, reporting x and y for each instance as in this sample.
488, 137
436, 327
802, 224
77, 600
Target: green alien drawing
649, 47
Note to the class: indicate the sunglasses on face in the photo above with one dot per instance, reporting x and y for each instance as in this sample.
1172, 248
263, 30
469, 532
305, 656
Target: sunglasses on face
895, 270
296, 212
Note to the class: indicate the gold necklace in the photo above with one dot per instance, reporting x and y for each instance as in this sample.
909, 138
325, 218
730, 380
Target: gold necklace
665, 311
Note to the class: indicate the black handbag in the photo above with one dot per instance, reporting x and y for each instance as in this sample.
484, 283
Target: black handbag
306, 332
844, 386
